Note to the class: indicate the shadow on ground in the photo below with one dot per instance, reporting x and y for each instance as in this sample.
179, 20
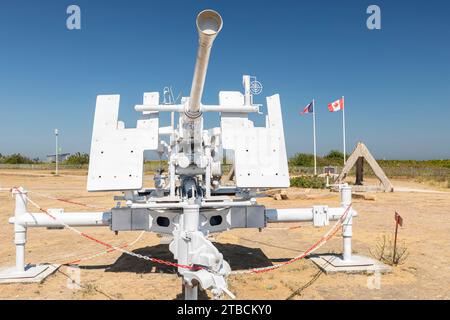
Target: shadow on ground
239, 258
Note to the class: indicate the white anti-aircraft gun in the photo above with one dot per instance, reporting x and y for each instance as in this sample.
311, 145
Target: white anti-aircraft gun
189, 203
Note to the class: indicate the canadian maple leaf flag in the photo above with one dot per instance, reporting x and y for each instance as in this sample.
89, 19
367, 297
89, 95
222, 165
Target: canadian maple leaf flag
336, 105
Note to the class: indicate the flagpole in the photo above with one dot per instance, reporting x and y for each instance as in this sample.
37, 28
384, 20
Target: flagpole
343, 127
314, 137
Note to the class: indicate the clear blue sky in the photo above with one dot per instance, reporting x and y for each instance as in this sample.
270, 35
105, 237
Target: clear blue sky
396, 80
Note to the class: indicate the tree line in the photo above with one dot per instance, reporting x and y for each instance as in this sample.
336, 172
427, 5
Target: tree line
17, 158
336, 158
333, 158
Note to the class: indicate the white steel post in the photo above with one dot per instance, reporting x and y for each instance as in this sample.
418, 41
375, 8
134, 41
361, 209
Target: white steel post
56, 153
172, 177
247, 92
343, 128
314, 138
172, 123
346, 200
20, 232
208, 179
190, 224
190, 292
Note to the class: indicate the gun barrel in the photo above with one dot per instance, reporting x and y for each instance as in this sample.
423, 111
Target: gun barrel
209, 24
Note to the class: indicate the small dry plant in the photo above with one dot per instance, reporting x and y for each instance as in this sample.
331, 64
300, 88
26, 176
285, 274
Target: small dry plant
384, 251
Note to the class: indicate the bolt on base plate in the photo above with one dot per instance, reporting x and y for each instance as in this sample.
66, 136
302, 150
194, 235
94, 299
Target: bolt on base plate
32, 273
333, 263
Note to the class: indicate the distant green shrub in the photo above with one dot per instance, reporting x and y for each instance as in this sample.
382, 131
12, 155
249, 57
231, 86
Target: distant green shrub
308, 182
78, 158
335, 155
17, 158
445, 163
302, 160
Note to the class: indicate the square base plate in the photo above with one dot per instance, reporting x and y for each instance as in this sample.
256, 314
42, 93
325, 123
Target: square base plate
32, 273
332, 263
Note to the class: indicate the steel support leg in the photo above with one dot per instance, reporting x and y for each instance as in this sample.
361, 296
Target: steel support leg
190, 292
190, 221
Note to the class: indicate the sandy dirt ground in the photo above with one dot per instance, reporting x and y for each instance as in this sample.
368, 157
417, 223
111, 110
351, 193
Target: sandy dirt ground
424, 275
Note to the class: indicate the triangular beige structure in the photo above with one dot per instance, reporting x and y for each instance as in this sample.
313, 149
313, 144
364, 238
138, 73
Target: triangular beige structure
361, 152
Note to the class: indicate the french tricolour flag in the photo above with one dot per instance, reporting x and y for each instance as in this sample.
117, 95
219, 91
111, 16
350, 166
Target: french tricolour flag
308, 109
336, 105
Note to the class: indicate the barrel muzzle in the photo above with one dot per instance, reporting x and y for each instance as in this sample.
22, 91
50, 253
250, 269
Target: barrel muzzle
209, 23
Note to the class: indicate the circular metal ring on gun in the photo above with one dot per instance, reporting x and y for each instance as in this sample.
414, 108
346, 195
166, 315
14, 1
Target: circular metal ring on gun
193, 115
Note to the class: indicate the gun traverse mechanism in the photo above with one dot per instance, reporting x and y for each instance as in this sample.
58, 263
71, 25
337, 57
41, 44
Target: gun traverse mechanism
189, 202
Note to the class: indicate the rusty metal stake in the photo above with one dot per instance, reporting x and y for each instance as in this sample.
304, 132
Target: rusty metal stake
398, 221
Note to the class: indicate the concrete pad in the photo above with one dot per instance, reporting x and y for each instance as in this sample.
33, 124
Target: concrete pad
32, 273
333, 263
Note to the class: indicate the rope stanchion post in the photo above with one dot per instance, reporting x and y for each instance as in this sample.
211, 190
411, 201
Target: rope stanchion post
347, 261
20, 231
346, 200
23, 272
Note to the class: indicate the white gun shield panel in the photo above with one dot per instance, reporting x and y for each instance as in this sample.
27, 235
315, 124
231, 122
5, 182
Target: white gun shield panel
117, 154
260, 159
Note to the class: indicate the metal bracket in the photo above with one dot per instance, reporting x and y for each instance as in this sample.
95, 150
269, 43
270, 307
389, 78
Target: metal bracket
320, 216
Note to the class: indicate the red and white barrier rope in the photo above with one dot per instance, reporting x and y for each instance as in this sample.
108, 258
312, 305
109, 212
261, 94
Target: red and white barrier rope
77, 261
93, 256
67, 200
109, 246
324, 239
